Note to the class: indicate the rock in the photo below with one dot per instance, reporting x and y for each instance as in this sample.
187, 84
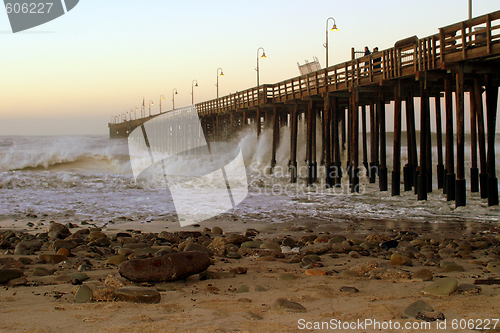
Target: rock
7, 274
389, 244
288, 242
315, 271
137, 295
116, 260
24, 260
79, 276
429, 316
453, 268
351, 290
233, 255
251, 315
319, 248
64, 252
52, 258
414, 308
58, 231
422, 274
399, 260
252, 244
270, 246
22, 250
66, 244
170, 267
217, 231
243, 289
239, 270
125, 252
9, 262
17, 282
218, 246
84, 294
493, 267
236, 239
336, 239
42, 271
343, 247
284, 304
469, 289
444, 286
287, 276
197, 247
259, 288
95, 235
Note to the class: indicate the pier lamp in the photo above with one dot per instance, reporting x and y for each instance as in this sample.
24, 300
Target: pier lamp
257, 69
162, 98
334, 28
217, 84
136, 109
131, 113
150, 103
193, 84
174, 92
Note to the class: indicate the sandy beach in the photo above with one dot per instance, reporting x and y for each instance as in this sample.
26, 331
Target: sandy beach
332, 274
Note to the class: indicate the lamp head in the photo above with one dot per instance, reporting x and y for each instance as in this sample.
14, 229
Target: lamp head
334, 28
221, 73
263, 55
196, 84
176, 92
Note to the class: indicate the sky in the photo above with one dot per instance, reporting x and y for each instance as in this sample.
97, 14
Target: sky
70, 75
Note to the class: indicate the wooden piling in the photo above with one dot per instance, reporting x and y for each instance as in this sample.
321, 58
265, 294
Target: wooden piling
364, 139
483, 175
383, 155
276, 136
293, 143
372, 174
491, 115
396, 160
460, 183
422, 172
355, 142
450, 159
439, 141
474, 170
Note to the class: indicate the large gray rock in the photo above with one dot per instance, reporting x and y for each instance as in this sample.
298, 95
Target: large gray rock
444, 286
169, 267
414, 308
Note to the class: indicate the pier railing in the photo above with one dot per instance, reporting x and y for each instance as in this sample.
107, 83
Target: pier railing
475, 38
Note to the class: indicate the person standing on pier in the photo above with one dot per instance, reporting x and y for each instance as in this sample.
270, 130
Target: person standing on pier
367, 52
377, 62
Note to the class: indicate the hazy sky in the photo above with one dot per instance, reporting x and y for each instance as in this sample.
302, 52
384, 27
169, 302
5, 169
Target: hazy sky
70, 75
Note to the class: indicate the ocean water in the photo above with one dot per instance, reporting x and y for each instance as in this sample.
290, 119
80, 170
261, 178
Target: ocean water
77, 178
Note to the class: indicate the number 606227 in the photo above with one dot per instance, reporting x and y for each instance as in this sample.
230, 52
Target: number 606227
28, 8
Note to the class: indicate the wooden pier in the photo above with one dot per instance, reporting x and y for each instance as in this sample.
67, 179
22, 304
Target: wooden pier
463, 57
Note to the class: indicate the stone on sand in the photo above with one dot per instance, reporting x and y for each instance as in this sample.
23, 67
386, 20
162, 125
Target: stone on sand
137, 295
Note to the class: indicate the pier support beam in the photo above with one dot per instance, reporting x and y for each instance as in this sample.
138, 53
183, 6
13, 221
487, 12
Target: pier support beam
372, 174
439, 134
491, 114
327, 141
396, 161
423, 172
276, 136
460, 183
383, 155
483, 175
337, 166
409, 169
355, 141
294, 115
474, 170
450, 159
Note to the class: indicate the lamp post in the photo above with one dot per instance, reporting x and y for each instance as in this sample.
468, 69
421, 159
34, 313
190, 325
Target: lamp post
150, 103
470, 9
174, 92
162, 98
262, 56
217, 84
334, 28
136, 109
193, 84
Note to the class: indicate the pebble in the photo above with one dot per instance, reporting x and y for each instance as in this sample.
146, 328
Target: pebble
493, 267
197, 247
79, 276
116, 260
42, 271
137, 295
429, 316
252, 244
239, 270
319, 248
270, 246
243, 289
170, 267
259, 288
444, 286
414, 308
52, 258
63, 252
453, 268
351, 290
399, 260
217, 231
251, 315
422, 274
336, 239
284, 304
84, 294
469, 289
233, 255
7, 274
